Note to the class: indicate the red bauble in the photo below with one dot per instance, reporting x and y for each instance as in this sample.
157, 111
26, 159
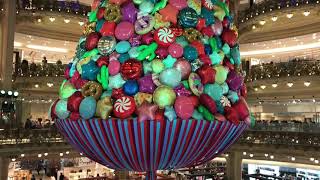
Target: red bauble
117, 93
225, 22
242, 108
228, 64
231, 114
92, 41
159, 116
147, 38
243, 90
108, 29
123, 107
208, 102
103, 61
162, 52
230, 37
205, 59
74, 116
201, 24
67, 73
131, 69
77, 81
74, 101
207, 31
100, 13
195, 100
207, 74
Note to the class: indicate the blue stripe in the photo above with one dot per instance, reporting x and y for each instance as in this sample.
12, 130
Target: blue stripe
151, 154
183, 144
124, 148
136, 137
157, 142
164, 145
179, 144
143, 144
128, 142
170, 144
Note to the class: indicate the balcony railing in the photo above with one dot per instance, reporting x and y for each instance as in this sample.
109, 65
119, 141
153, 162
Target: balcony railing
40, 70
284, 69
270, 6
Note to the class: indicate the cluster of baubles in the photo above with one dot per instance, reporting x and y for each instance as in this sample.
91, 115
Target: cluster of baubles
155, 60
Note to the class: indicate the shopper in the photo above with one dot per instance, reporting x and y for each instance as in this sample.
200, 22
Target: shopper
33, 178
61, 177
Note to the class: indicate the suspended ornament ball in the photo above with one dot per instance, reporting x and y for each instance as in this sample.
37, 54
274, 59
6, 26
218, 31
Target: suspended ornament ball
155, 85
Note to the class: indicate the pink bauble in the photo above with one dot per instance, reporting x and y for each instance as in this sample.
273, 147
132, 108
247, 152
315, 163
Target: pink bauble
175, 50
179, 4
124, 30
114, 67
184, 67
217, 28
184, 107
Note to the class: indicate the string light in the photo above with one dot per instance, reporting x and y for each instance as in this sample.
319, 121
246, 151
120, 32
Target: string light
289, 84
274, 85
274, 18
262, 22
263, 86
311, 159
66, 21
307, 83
52, 19
81, 23
306, 13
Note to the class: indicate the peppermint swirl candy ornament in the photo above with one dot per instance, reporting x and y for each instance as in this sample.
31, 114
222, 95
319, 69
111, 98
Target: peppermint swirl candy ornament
225, 101
164, 36
124, 107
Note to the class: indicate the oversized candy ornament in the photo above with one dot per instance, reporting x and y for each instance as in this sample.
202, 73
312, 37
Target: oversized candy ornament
131, 69
107, 45
164, 36
154, 85
124, 107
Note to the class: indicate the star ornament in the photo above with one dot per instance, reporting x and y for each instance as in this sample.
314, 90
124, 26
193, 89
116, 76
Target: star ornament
169, 13
146, 111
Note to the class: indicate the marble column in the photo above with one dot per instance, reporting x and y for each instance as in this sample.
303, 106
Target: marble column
4, 165
7, 30
234, 166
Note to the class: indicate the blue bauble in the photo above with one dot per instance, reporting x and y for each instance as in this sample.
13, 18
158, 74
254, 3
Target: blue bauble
207, 49
123, 47
61, 109
123, 58
208, 15
170, 77
90, 71
190, 53
87, 107
219, 42
188, 18
214, 91
131, 87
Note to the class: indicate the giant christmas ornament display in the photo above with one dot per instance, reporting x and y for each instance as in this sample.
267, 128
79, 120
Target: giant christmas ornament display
154, 84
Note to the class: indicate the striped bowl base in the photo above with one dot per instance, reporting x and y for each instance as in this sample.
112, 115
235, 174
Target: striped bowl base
146, 146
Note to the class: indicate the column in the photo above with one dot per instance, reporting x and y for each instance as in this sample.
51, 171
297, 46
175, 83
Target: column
7, 29
234, 166
234, 9
4, 167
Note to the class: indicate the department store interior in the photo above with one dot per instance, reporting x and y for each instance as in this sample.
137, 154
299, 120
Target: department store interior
279, 45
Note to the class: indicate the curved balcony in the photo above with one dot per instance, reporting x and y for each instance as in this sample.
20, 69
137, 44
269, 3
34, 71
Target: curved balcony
293, 68
40, 70
276, 19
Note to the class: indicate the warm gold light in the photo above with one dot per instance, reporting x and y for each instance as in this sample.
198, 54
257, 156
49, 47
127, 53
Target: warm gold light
307, 83
306, 13
290, 84
289, 15
274, 85
274, 18
263, 86
52, 19
262, 22
254, 27
66, 21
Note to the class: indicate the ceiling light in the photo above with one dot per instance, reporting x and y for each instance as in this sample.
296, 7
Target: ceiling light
274, 85
22, 155
39, 155
290, 84
10, 93
52, 19
293, 158
244, 153
254, 27
61, 154
306, 13
314, 100
81, 23
263, 86
266, 155
16, 94
281, 50
251, 155
13, 159
312, 159
3, 92
274, 18
262, 22
289, 15
66, 21
316, 161
307, 83
17, 44
47, 48
45, 154
294, 101
36, 85
271, 157
81, 154
67, 152
256, 89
